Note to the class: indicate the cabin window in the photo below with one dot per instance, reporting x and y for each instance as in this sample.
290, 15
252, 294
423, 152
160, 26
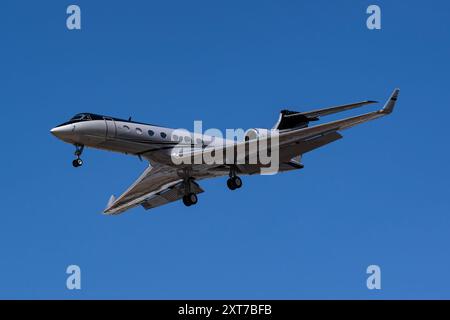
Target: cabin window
127, 128
151, 133
207, 140
163, 135
138, 130
175, 137
187, 139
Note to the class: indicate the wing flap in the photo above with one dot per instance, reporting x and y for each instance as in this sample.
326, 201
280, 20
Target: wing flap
170, 194
302, 147
153, 180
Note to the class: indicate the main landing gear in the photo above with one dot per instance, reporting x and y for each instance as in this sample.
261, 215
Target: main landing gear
189, 198
78, 151
234, 182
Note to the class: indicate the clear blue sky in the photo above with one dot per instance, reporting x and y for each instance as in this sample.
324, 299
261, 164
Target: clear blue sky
378, 196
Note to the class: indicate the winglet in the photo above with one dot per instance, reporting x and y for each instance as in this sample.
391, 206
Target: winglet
390, 104
110, 202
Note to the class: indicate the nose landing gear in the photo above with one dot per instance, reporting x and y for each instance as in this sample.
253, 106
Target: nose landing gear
77, 163
78, 151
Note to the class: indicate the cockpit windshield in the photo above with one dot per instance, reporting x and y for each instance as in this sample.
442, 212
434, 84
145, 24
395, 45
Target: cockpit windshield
81, 117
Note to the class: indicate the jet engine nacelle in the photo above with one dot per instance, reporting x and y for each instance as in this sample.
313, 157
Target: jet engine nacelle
256, 133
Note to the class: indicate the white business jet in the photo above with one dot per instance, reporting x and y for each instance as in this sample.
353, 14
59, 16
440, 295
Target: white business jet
166, 180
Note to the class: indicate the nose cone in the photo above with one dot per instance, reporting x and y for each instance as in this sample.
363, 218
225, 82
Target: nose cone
64, 132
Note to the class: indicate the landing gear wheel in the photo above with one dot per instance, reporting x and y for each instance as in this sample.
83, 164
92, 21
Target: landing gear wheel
230, 184
190, 199
237, 182
77, 163
234, 183
186, 201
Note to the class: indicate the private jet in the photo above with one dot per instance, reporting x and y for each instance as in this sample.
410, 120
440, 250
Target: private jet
165, 181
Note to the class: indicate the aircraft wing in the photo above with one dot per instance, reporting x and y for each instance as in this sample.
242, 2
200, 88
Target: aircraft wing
290, 120
332, 110
156, 186
303, 135
338, 125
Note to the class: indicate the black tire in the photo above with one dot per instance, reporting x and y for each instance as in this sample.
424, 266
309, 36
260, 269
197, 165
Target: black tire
230, 184
186, 201
237, 182
75, 163
192, 198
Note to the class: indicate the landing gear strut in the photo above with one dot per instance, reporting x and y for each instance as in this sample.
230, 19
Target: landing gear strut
189, 198
234, 182
78, 151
